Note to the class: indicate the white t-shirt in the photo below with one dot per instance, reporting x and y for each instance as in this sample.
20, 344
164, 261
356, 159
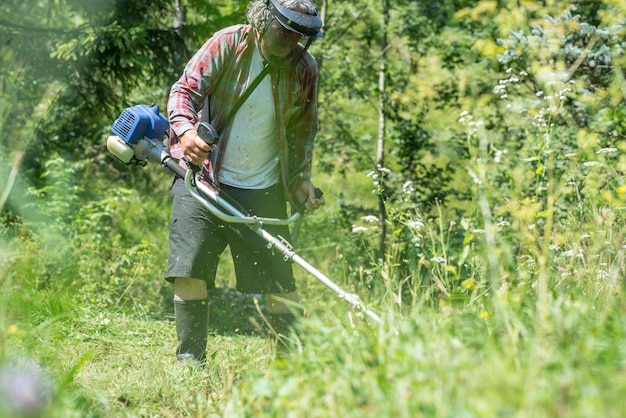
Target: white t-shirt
251, 157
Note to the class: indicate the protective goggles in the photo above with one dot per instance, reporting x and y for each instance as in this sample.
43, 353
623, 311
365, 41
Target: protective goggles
302, 23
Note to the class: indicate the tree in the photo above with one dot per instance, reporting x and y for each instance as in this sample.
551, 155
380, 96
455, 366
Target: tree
67, 71
380, 153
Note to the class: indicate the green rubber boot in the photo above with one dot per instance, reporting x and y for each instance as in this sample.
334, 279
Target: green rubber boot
192, 322
283, 324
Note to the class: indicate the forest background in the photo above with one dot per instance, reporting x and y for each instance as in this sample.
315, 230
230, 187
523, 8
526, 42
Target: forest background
472, 156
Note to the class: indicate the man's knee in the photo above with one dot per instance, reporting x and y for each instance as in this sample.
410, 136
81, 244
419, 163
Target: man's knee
186, 288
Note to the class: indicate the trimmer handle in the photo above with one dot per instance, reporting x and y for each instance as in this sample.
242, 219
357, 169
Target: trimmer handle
318, 194
208, 134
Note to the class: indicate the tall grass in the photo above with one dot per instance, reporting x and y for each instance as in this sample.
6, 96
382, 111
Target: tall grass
442, 359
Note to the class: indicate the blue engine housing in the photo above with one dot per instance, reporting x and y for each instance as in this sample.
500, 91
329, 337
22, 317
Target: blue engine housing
140, 121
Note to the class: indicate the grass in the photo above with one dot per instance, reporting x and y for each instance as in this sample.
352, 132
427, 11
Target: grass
120, 365
430, 363
506, 351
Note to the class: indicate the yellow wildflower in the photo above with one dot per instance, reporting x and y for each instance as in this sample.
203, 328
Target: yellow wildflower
469, 284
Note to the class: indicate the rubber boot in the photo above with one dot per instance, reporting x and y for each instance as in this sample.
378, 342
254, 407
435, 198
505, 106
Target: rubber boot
283, 324
192, 322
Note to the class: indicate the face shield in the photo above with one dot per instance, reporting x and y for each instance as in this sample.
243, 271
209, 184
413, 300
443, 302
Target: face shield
309, 26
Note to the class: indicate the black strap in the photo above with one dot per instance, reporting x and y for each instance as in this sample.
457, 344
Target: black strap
204, 117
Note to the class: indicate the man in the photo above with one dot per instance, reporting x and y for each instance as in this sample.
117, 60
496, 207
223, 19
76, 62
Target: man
266, 119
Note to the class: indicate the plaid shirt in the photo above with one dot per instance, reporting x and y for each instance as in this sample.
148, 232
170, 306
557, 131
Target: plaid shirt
219, 71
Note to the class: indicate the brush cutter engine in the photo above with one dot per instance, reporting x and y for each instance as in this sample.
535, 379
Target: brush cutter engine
138, 121
136, 131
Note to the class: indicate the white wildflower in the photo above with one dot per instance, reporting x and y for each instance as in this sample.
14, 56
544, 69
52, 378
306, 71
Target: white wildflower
416, 225
592, 164
499, 88
497, 158
407, 188
602, 275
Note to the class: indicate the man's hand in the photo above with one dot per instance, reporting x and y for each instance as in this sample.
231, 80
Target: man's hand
194, 148
306, 193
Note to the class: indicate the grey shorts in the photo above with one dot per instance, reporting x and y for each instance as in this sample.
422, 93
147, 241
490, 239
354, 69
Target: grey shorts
198, 238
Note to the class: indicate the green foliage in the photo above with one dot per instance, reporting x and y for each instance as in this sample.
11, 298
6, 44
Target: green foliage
68, 70
89, 242
508, 126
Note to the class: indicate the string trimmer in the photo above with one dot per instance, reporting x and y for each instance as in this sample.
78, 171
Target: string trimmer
140, 132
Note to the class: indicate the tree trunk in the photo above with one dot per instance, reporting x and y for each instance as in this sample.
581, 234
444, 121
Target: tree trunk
380, 154
180, 15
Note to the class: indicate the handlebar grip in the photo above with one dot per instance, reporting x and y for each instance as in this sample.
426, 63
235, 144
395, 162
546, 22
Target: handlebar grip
318, 194
208, 134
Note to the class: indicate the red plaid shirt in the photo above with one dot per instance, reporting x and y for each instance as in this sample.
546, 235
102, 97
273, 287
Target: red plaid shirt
218, 71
